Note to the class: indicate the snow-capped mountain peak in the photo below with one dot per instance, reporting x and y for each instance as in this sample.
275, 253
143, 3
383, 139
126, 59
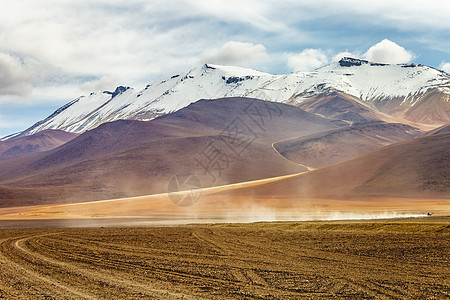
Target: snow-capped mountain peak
374, 83
371, 81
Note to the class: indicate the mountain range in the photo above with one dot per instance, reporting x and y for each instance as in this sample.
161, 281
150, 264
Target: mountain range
129, 158
351, 130
410, 92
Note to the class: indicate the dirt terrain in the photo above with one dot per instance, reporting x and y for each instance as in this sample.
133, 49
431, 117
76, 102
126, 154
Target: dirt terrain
384, 259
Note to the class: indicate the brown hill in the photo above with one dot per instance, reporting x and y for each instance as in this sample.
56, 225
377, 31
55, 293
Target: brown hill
415, 168
340, 106
42, 141
442, 129
326, 148
222, 141
432, 108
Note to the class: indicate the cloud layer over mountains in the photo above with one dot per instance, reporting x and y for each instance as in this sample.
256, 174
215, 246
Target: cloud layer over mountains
69, 44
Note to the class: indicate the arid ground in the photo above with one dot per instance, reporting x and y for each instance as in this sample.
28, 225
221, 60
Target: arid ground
372, 259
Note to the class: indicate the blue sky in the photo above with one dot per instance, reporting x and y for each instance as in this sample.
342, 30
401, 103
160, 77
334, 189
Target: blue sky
54, 52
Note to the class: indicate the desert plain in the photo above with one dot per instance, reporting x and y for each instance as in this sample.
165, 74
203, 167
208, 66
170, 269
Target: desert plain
404, 258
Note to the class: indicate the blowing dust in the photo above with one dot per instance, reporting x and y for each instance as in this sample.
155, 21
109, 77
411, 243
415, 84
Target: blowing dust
256, 213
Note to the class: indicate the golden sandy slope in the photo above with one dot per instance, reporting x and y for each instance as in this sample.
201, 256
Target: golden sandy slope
223, 203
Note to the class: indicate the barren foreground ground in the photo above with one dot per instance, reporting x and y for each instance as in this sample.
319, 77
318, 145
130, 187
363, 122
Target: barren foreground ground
396, 259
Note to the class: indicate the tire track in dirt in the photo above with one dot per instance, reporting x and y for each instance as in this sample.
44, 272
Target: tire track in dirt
214, 245
259, 253
370, 288
197, 258
36, 279
74, 256
98, 275
135, 249
166, 254
244, 275
165, 271
255, 278
237, 261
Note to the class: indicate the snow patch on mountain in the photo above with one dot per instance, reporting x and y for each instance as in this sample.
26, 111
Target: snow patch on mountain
445, 90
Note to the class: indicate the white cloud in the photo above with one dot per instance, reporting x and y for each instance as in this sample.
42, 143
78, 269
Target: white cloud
445, 66
253, 12
103, 84
389, 52
307, 60
236, 53
14, 78
137, 41
385, 51
400, 14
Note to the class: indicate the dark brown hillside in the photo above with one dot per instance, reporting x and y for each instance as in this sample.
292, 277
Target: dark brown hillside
131, 158
42, 141
415, 168
340, 106
326, 148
